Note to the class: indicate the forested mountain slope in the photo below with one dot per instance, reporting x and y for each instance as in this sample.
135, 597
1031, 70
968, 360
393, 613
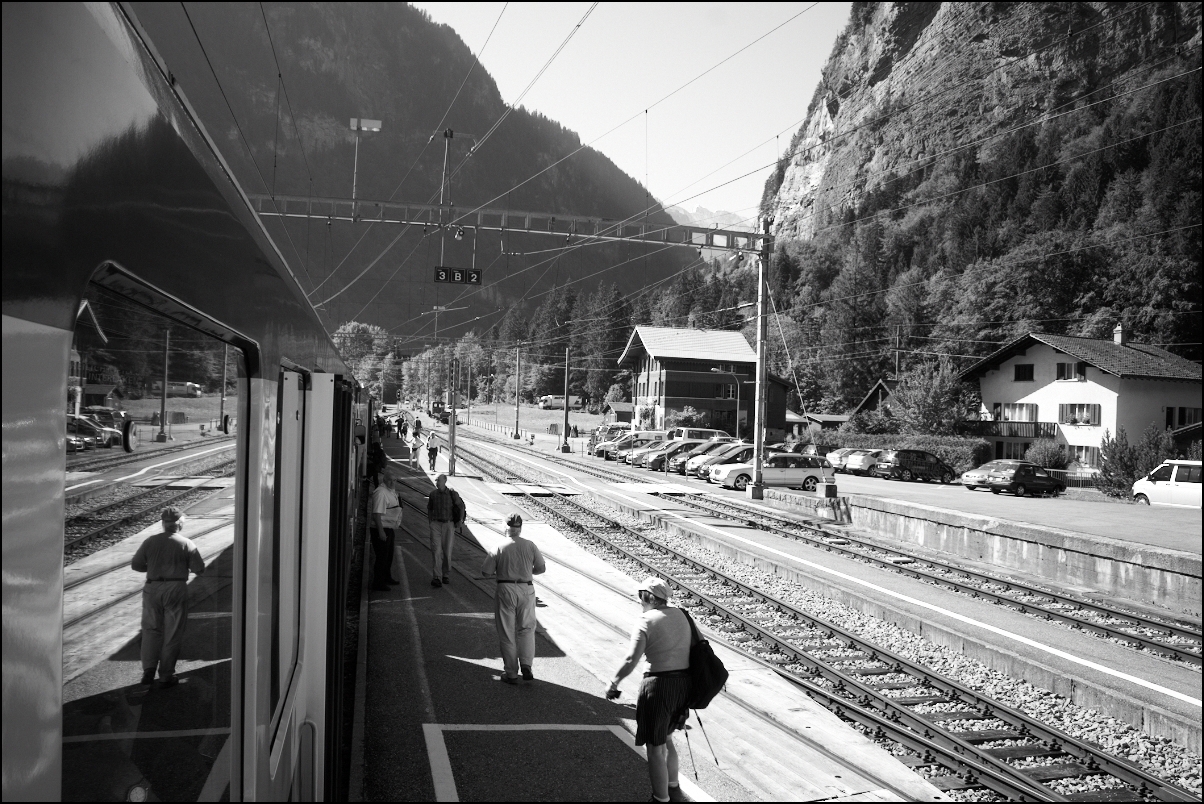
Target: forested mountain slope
390, 62
971, 171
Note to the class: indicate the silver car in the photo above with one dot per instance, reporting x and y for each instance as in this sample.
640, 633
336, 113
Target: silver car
861, 461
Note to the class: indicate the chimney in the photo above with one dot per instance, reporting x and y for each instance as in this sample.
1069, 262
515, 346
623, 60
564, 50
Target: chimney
1120, 335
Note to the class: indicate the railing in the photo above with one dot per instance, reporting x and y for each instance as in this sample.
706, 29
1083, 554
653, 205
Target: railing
1075, 478
1010, 429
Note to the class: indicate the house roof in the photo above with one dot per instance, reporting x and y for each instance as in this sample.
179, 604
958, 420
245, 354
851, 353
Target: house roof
621, 407
1131, 360
701, 344
794, 418
826, 418
85, 306
886, 385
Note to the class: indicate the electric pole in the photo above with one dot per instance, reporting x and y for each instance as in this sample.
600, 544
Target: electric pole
756, 489
451, 422
162, 436
518, 372
564, 445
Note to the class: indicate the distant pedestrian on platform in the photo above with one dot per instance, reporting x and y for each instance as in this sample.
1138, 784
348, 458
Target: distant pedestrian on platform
403, 426
512, 563
663, 634
166, 558
445, 512
432, 451
386, 519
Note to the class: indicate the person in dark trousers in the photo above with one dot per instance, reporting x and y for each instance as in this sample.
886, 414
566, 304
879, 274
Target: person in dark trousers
445, 512
512, 563
386, 518
432, 451
663, 634
166, 558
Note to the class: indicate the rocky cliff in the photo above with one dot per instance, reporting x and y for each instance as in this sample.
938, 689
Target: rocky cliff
907, 83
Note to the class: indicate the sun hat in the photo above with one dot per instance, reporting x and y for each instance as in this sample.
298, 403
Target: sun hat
172, 514
656, 587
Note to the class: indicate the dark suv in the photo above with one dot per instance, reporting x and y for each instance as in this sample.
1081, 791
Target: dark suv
913, 464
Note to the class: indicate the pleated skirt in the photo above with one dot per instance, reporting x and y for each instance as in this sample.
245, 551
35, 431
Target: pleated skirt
661, 707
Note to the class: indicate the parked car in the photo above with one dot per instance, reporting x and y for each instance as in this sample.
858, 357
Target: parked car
977, 478
109, 417
912, 464
700, 433
837, 457
74, 443
633, 442
737, 453
705, 453
678, 462
101, 436
781, 469
815, 449
1173, 483
82, 432
656, 461
1023, 478
862, 461
636, 456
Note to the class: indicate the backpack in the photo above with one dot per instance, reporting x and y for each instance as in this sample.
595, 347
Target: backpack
707, 673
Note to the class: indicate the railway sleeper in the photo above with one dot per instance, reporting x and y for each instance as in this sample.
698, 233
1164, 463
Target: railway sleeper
1023, 751
1113, 794
1063, 770
988, 735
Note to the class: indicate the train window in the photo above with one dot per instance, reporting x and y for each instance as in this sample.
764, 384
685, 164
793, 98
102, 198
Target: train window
149, 617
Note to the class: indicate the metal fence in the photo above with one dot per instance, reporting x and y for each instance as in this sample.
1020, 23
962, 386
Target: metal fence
1075, 478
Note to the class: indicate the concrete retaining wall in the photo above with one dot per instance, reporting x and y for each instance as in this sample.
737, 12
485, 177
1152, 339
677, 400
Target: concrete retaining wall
1168, 579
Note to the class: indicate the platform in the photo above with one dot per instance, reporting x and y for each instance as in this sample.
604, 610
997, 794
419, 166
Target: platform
439, 724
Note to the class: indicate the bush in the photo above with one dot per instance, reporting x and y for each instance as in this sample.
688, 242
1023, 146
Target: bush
1047, 453
875, 421
960, 453
686, 417
1121, 463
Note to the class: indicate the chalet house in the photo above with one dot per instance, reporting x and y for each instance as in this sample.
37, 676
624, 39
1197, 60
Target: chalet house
1074, 389
619, 412
878, 397
700, 368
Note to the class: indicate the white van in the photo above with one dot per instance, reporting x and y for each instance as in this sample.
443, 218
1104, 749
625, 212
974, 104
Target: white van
701, 433
1173, 483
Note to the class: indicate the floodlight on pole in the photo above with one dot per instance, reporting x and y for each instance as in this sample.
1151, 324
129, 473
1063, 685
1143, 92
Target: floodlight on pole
359, 124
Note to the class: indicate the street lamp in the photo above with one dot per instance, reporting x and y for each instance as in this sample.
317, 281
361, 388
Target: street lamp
359, 124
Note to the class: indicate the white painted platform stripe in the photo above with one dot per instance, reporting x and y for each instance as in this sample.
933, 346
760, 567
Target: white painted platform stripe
70, 489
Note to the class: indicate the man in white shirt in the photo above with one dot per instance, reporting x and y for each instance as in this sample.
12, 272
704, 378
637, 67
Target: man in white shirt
512, 563
386, 518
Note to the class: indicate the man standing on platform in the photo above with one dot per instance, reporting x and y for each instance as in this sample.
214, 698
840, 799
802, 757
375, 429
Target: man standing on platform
445, 512
512, 563
432, 450
386, 518
166, 558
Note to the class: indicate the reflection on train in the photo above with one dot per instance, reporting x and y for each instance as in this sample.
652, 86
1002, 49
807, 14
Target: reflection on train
134, 211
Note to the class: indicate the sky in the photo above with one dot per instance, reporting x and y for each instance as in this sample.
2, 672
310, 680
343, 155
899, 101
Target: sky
627, 57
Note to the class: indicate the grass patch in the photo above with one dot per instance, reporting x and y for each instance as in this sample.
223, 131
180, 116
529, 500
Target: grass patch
197, 409
532, 418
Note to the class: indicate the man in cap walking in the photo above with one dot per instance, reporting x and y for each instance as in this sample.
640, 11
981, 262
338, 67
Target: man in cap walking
166, 558
512, 563
663, 634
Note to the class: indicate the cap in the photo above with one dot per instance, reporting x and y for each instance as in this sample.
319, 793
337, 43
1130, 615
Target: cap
514, 521
172, 514
656, 587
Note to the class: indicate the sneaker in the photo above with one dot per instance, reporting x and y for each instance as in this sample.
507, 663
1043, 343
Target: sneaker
435, 582
509, 680
675, 794
170, 681
527, 674
148, 677
446, 580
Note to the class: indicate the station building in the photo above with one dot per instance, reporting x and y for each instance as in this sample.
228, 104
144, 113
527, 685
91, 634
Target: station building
1074, 389
712, 371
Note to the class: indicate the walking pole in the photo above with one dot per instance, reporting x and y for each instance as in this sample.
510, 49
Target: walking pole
692, 765
708, 739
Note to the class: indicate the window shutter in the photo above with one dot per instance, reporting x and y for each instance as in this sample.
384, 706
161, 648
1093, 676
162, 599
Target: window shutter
1061, 414
1033, 413
1061, 371
1080, 370
1095, 415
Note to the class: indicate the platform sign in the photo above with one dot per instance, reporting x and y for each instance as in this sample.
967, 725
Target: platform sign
458, 276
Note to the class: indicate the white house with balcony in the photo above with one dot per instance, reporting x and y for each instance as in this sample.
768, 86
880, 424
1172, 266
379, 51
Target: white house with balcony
1074, 389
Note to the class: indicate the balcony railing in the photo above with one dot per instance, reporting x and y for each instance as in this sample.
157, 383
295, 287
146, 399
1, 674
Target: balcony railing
1010, 429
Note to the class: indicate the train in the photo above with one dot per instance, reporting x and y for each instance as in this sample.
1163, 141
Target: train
112, 185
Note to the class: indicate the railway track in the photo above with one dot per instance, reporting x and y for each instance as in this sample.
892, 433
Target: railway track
1167, 637
961, 740
100, 464
101, 520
